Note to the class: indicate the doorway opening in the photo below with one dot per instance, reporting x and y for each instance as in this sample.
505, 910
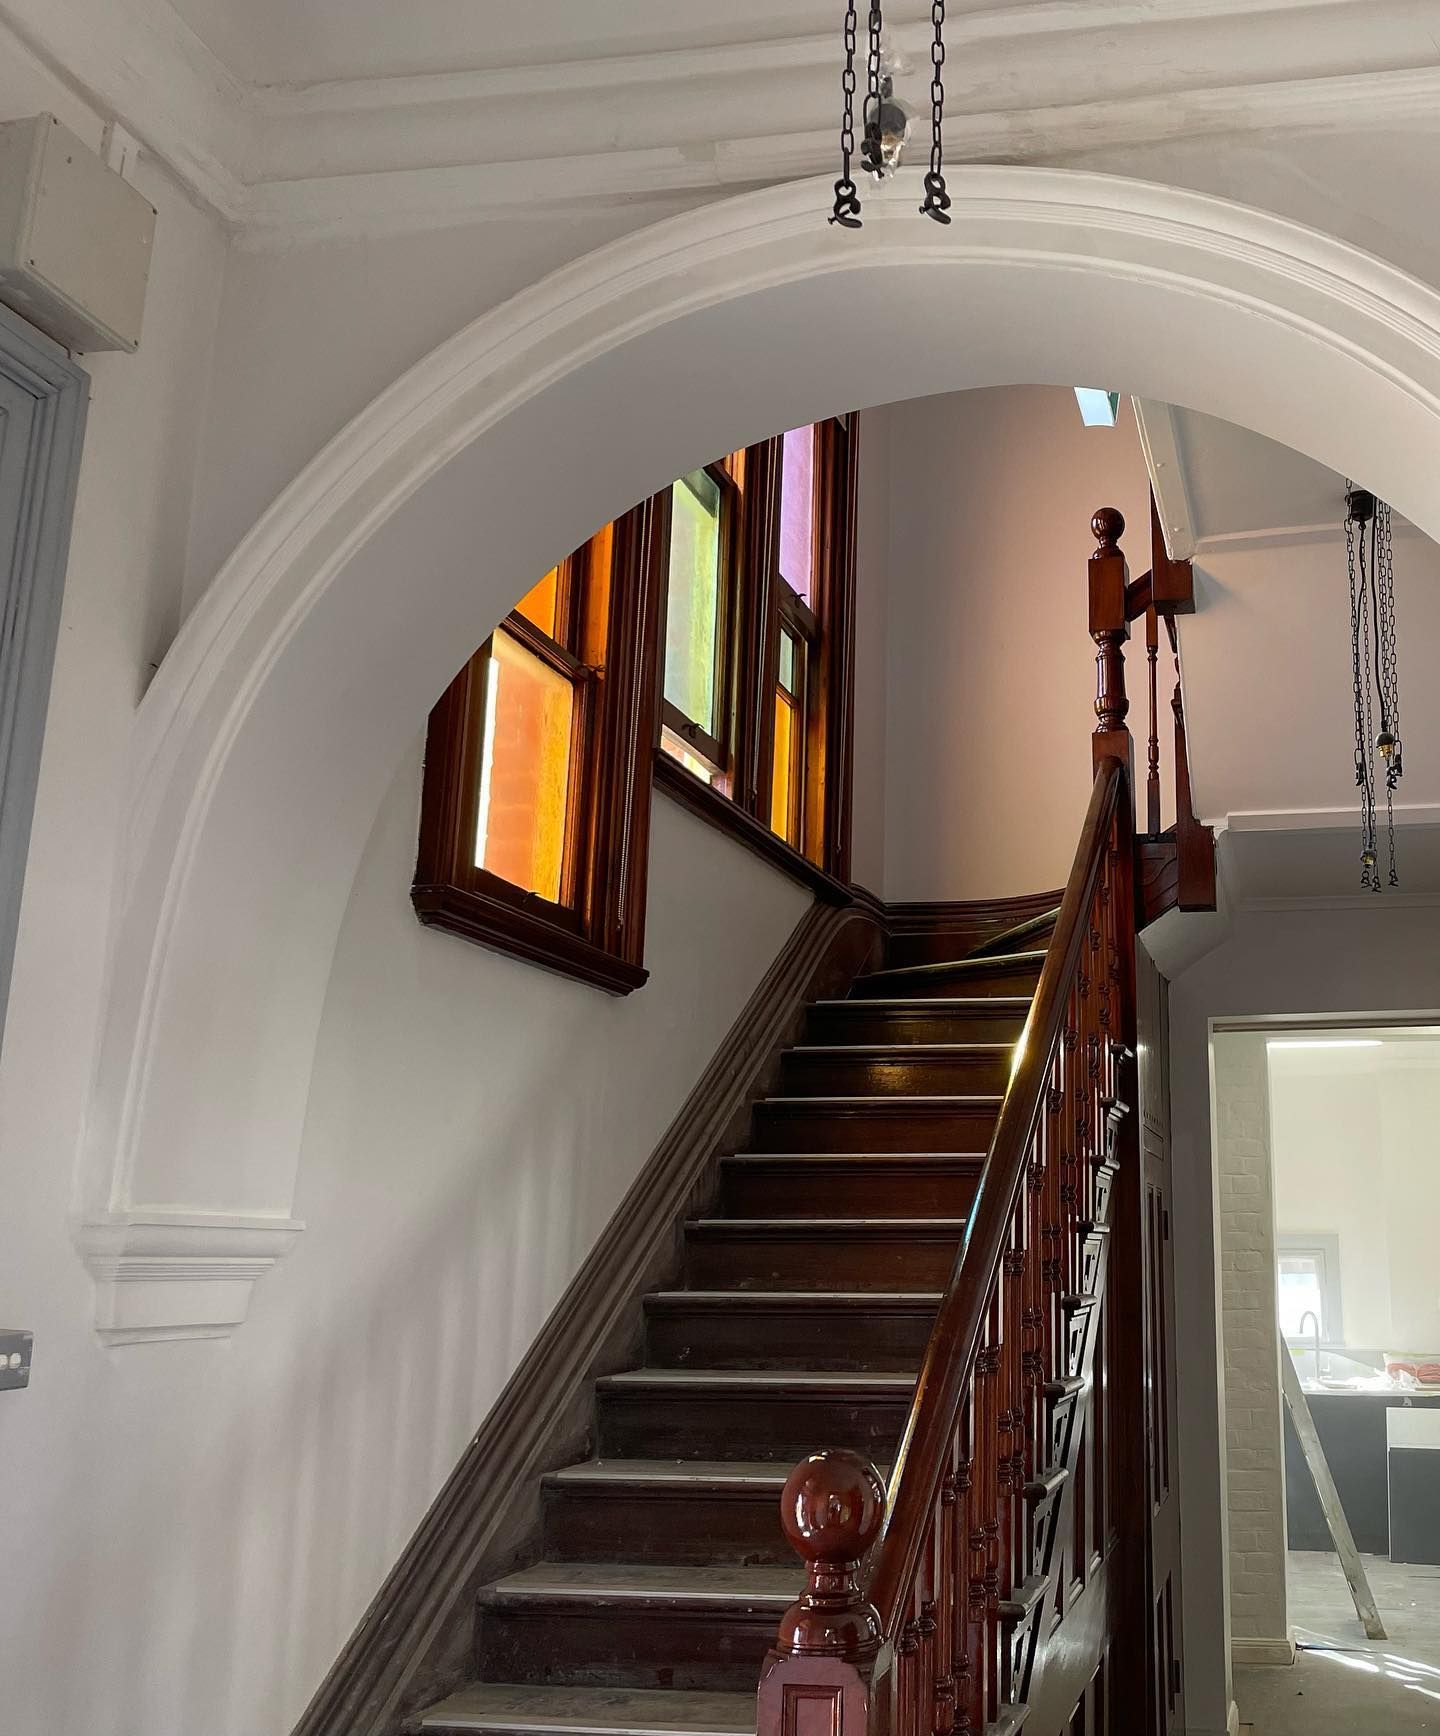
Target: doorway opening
1326, 1170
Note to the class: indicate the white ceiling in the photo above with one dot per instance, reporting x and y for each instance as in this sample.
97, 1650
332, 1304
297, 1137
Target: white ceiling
1239, 483
284, 42
1189, 44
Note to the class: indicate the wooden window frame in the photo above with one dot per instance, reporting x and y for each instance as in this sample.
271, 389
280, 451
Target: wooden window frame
762, 599
716, 750
597, 932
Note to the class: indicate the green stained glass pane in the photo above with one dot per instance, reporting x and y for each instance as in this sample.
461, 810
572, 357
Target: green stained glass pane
787, 661
692, 620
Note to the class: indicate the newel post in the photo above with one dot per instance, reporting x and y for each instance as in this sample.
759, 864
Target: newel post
817, 1676
1109, 628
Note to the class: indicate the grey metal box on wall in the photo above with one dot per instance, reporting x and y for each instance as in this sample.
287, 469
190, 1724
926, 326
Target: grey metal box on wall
75, 238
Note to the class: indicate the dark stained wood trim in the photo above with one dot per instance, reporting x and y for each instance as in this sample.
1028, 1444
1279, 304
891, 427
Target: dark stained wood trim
534, 936
414, 1643
719, 811
598, 933
840, 519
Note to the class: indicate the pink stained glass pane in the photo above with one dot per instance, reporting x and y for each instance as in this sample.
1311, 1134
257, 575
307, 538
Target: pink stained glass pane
797, 511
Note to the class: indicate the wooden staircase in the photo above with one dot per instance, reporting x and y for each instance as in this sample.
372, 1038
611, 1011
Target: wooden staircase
807, 1299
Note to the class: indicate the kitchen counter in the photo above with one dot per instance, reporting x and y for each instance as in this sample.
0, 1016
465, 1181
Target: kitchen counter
1352, 1428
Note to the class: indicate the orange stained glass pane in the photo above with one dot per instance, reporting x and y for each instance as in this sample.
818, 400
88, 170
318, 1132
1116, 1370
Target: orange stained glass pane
599, 558
539, 606
524, 769
782, 786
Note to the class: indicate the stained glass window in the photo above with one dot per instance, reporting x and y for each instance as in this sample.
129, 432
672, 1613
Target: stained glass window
524, 769
692, 621
797, 511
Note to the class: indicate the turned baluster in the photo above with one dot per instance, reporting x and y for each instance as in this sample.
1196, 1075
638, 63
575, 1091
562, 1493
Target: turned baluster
1152, 780
817, 1674
1109, 628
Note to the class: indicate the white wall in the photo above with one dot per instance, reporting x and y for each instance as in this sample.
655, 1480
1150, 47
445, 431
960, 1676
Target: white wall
1355, 1135
211, 1519
1379, 957
309, 335
1250, 1384
992, 671
1267, 606
73, 1559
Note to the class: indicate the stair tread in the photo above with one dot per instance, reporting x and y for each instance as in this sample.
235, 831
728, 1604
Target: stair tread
745, 1225
645, 1581
786, 1379
593, 1711
731, 1473
941, 1004
935, 1157
924, 1048
864, 1299
895, 1101
935, 967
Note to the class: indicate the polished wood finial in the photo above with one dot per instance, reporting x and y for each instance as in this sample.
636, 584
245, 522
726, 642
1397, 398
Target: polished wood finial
831, 1510
1108, 525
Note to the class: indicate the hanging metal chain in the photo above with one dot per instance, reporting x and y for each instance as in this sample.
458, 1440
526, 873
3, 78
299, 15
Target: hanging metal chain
1388, 743
937, 199
1359, 670
872, 152
847, 197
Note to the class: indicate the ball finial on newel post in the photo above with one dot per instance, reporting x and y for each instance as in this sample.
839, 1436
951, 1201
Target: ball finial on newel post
1109, 526
831, 1509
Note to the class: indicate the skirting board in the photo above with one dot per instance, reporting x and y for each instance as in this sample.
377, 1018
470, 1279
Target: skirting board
1254, 1651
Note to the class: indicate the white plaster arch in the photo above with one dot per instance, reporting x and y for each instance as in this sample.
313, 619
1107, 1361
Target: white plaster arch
278, 717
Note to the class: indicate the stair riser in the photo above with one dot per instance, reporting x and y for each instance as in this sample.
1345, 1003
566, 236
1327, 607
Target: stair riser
721, 1425
938, 945
711, 1649
824, 1339
875, 1126
989, 979
856, 1022
699, 1529
844, 1075
888, 1189
828, 1260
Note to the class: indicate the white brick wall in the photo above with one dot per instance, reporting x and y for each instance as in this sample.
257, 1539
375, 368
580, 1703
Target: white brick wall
1254, 1446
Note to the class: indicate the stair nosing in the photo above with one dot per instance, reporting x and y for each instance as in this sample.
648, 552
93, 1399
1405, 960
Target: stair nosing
799, 1379
971, 1003
854, 1157
664, 1299
990, 961
893, 1048
887, 1099
551, 1716
751, 1224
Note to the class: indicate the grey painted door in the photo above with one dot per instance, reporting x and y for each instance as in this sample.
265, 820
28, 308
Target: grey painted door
43, 398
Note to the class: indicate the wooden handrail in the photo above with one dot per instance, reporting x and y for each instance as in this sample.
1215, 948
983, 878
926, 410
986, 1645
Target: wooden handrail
933, 1613
950, 1355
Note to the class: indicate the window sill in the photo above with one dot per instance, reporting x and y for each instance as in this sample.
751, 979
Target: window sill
494, 922
720, 812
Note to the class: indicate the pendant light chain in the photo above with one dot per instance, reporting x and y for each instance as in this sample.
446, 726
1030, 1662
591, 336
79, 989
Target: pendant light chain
937, 198
1387, 672
1359, 670
871, 153
847, 197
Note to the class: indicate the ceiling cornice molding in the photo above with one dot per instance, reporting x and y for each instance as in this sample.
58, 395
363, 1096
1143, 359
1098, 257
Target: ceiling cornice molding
377, 153
138, 62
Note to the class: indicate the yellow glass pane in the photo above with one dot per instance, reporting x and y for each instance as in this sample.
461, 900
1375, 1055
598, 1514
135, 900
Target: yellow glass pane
539, 606
524, 769
782, 788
